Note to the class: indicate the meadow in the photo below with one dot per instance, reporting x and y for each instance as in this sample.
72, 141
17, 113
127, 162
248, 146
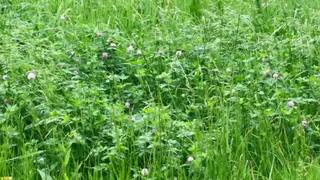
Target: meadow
159, 89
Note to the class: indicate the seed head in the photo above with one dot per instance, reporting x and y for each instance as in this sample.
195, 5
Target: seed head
145, 172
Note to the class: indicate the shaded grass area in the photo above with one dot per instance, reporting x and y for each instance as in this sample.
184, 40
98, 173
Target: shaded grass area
140, 89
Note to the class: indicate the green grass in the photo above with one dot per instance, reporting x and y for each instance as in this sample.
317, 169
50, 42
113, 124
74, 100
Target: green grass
221, 90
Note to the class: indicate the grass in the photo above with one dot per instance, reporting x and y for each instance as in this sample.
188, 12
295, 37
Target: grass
168, 89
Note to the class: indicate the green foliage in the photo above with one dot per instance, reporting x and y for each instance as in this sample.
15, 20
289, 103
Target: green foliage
170, 89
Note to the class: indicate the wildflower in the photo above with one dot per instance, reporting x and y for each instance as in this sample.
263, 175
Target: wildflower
139, 52
130, 49
305, 123
179, 53
136, 117
31, 75
275, 75
145, 172
104, 55
266, 72
127, 105
290, 104
190, 159
109, 41
62, 17
113, 45
5, 77
99, 34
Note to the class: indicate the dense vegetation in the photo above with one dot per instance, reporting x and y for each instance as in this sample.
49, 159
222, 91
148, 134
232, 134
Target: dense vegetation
159, 89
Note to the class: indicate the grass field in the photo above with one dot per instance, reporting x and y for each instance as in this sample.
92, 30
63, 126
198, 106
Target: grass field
159, 89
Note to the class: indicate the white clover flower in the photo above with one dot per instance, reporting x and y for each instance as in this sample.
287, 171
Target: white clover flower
62, 17
130, 49
127, 105
275, 75
266, 72
5, 77
290, 104
113, 45
305, 123
104, 55
136, 117
109, 40
190, 159
145, 172
99, 34
179, 53
139, 52
31, 75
